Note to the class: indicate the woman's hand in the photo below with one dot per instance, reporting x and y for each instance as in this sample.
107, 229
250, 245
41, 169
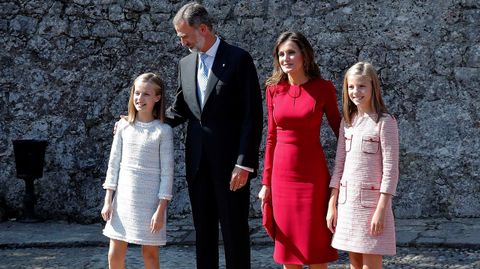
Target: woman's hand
332, 210
107, 211
107, 208
332, 218
158, 221
265, 194
378, 220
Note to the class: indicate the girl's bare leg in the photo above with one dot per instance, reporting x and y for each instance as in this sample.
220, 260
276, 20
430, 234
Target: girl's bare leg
116, 254
150, 257
356, 260
371, 261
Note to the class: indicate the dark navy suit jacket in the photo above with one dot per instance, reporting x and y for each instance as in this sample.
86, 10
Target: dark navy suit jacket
228, 130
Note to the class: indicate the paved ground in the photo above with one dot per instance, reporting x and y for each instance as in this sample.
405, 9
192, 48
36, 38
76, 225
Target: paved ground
432, 243
182, 257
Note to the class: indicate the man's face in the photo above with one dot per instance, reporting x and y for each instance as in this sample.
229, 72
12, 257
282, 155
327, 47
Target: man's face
190, 37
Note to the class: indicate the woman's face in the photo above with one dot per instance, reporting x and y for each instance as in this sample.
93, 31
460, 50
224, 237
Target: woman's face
290, 58
360, 92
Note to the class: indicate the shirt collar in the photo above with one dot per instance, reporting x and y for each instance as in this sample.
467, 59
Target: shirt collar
212, 51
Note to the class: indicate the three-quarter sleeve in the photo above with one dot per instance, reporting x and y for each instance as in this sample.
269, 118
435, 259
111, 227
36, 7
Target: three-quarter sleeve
166, 163
339, 158
390, 150
271, 139
331, 109
113, 170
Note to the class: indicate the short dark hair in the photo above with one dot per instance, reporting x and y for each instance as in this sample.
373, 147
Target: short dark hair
194, 14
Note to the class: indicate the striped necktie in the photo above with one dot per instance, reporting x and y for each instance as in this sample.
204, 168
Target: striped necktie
202, 77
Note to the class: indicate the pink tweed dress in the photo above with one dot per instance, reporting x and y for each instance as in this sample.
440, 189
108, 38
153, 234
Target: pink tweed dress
366, 165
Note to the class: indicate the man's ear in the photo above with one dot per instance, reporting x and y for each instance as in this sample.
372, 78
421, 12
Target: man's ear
203, 28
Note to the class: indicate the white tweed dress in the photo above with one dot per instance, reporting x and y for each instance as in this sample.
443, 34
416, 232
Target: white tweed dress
140, 170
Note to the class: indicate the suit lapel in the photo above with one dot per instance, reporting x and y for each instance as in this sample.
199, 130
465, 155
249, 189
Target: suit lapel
189, 83
219, 65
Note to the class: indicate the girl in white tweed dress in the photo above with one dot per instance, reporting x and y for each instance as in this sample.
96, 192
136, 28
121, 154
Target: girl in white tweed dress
140, 172
366, 173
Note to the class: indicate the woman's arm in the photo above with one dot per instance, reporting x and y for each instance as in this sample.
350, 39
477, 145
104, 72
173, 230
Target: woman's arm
271, 141
331, 109
378, 220
107, 205
332, 210
166, 163
158, 219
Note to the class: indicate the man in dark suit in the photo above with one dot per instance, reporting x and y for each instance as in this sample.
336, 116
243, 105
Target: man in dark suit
219, 96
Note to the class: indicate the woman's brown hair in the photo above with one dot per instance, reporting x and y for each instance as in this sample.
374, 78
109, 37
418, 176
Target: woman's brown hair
310, 68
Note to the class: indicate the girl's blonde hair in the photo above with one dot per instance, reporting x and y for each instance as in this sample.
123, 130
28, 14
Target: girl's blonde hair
349, 108
310, 68
159, 108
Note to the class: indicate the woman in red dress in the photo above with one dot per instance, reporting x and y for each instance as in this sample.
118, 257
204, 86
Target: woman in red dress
295, 176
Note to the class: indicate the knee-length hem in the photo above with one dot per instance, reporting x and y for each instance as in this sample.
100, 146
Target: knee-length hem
363, 250
135, 241
327, 259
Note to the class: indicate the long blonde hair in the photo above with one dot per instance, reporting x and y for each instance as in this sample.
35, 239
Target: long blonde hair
310, 68
159, 107
349, 108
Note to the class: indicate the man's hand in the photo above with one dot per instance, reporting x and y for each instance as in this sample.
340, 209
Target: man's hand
239, 178
116, 123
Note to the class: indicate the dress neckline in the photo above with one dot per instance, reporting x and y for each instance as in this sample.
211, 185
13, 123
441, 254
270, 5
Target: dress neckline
145, 124
359, 119
287, 83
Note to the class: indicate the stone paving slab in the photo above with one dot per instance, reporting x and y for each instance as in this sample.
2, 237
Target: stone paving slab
183, 257
410, 232
50, 234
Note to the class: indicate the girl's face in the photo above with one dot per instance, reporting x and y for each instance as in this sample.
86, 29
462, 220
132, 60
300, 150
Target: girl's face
360, 92
145, 97
290, 58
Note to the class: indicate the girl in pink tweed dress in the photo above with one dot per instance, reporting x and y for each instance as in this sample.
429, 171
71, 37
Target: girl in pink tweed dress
366, 172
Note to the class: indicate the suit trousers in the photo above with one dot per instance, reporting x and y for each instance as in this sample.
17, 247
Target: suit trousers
213, 202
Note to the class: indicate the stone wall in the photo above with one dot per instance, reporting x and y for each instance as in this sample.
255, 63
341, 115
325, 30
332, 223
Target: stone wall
66, 69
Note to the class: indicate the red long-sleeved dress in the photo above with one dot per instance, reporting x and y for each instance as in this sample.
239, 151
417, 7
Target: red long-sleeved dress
296, 169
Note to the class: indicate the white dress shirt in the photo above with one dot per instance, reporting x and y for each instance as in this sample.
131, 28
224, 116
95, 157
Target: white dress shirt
211, 52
